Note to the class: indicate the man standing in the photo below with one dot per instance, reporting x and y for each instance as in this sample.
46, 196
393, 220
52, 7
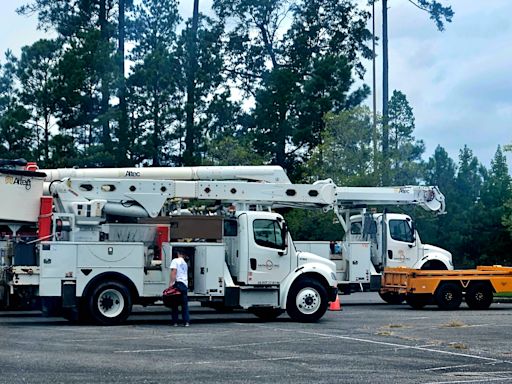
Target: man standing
179, 280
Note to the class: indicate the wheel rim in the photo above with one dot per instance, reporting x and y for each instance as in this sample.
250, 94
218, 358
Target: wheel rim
110, 303
448, 296
479, 296
308, 300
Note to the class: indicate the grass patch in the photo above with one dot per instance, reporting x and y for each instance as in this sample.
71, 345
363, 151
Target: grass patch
383, 332
459, 346
395, 326
453, 324
504, 294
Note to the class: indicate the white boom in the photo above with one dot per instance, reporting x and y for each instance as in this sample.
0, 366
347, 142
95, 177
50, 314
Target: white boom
141, 198
427, 197
267, 173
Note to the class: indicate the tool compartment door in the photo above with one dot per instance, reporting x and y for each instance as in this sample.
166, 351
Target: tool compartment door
359, 260
209, 269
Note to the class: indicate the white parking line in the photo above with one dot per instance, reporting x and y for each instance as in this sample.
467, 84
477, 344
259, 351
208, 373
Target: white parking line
456, 366
218, 346
401, 346
239, 361
481, 380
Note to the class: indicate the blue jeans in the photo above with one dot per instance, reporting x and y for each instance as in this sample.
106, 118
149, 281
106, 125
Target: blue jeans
184, 304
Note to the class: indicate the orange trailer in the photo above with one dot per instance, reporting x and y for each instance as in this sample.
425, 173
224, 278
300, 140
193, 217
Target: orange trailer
447, 289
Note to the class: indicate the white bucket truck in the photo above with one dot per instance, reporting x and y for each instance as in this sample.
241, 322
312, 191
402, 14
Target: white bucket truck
105, 244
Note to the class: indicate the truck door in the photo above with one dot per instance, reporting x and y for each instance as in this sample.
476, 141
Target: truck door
269, 257
401, 244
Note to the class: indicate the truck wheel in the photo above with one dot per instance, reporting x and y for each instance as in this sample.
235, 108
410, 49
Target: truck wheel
448, 296
479, 296
307, 301
392, 297
267, 314
417, 301
109, 303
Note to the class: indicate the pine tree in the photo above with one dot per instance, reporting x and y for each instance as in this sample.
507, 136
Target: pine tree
37, 73
494, 240
16, 136
404, 150
154, 84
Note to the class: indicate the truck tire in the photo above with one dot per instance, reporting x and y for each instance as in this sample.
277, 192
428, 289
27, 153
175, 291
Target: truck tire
267, 314
392, 297
109, 303
307, 301
479, 296
448, 296
418, 301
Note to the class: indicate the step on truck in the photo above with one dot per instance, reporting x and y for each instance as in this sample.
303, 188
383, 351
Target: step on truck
90, 247
447, 289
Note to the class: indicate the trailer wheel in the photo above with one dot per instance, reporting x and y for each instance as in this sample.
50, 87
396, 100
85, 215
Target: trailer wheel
307, 301
109, 303
392, 297
418, 301
448, 296
479, 296
267, 314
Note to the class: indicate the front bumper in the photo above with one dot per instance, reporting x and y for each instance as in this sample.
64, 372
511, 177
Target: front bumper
332, 293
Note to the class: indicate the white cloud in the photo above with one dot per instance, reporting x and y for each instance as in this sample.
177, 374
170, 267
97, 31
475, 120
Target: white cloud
457, 81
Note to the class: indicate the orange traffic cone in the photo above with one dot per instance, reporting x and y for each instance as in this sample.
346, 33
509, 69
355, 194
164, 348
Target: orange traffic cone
335, 305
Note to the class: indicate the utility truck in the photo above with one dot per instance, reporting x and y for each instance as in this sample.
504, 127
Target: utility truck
375, 241
100, 242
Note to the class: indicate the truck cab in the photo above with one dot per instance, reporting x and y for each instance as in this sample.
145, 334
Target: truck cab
395, 242
374, 242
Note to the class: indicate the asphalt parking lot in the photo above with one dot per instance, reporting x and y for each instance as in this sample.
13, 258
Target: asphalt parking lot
366, 342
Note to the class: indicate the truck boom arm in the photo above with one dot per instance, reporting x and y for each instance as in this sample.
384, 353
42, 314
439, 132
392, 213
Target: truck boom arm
267, 173
141, 198
428, 198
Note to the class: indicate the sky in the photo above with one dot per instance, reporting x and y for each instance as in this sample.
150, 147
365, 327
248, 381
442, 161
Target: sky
458, 82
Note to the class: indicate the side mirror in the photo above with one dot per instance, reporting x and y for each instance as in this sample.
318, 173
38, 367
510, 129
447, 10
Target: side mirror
413, 232
284, 234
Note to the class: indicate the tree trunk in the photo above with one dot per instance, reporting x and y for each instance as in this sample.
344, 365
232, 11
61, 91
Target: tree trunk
123, 109
268, 45
281, 139
385, 96
105, 91
156, 132
374, 78
189, 155
46, 137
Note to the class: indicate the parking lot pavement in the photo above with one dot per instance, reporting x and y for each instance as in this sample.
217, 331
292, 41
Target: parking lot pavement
366, 342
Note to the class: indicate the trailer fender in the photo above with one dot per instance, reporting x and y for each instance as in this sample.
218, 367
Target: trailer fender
317, 271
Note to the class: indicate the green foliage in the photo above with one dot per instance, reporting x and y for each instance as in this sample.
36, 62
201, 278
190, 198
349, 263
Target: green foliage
154, 83
37, 73
16, 136
232, 150
296, 75
404, 151
439, 13
345, 154
313, 225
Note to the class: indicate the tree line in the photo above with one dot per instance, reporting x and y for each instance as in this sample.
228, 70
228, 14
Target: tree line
127, 83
